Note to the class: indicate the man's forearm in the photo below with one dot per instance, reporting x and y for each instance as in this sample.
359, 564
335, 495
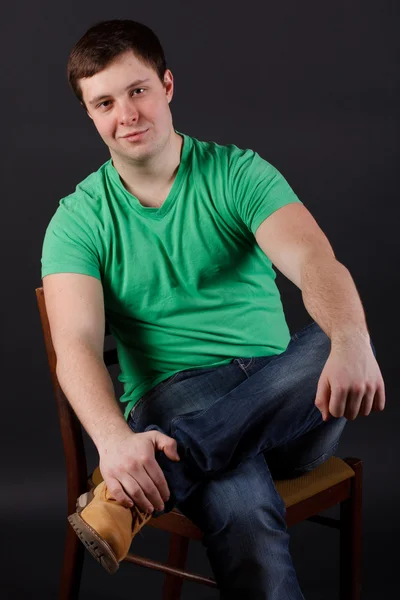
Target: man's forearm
331, 298
86, 383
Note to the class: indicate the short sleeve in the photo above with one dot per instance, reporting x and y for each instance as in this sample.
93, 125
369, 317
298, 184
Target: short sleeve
258, 188
70, 243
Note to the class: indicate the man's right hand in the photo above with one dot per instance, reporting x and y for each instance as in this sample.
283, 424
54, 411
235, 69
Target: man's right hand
131, 472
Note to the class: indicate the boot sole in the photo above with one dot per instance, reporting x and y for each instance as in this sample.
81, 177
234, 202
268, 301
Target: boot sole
97, 547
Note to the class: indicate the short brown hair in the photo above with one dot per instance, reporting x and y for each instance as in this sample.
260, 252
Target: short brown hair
106, 40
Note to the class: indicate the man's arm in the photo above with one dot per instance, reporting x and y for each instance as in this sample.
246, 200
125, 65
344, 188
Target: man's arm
296, 245
75, 308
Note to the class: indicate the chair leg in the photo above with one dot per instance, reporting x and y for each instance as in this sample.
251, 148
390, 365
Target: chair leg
178, 550
351, 537
72, 566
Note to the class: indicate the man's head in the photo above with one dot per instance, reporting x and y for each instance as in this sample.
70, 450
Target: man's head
118, 72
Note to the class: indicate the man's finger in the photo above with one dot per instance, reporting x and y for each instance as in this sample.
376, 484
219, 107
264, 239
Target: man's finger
337, 403
149, 488
322, 398
353, 404
155, 473
366, 404
117, 492
379, 399
136, 491
167, 445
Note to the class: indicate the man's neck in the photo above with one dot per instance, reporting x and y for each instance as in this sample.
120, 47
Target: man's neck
153, 177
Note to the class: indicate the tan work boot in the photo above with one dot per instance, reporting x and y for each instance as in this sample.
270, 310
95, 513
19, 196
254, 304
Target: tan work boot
106, 527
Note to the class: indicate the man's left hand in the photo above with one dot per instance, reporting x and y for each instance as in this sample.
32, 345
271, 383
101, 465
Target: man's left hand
351, 382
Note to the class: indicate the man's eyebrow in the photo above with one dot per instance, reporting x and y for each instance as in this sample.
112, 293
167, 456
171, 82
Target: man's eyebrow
131, 85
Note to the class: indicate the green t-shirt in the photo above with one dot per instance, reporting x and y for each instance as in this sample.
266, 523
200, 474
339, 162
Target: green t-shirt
185, 285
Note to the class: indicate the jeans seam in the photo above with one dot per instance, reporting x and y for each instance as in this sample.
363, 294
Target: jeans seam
327, 453
290, 439
247, 365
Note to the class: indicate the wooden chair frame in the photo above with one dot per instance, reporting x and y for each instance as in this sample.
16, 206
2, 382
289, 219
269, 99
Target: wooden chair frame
347, 493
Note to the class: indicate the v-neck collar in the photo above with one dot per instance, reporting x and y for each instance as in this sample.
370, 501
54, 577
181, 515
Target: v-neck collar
150, 211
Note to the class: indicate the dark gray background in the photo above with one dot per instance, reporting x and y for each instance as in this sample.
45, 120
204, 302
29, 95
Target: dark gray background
314, 88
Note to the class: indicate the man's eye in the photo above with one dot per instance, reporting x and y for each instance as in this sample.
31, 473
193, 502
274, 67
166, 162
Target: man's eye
104, 104
137, 90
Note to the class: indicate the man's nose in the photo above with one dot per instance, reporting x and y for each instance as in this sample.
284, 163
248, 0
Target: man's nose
127, 113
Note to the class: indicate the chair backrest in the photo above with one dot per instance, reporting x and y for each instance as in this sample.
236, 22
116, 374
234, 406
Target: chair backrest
71, 429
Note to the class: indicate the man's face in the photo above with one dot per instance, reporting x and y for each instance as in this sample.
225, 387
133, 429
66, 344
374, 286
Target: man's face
125, 98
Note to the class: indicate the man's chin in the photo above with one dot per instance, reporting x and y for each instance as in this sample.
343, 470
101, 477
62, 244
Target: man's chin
137, 154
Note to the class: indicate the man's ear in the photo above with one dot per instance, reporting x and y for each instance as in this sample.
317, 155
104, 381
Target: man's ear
169, 84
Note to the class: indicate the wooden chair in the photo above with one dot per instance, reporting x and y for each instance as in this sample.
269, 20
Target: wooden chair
334, 482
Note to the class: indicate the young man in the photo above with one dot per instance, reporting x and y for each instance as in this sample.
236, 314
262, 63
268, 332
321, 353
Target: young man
173, 242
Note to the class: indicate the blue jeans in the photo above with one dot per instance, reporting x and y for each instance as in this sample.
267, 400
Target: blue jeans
238, 427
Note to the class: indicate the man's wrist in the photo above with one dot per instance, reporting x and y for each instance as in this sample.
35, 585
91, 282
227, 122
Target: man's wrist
356, 335
107, 432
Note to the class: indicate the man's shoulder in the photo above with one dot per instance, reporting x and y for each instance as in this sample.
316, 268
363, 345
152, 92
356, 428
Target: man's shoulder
215, 148
233, 159
95, 183
89, 192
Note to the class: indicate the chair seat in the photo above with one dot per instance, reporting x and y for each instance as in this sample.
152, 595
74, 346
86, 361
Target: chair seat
331, 472
292, 491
